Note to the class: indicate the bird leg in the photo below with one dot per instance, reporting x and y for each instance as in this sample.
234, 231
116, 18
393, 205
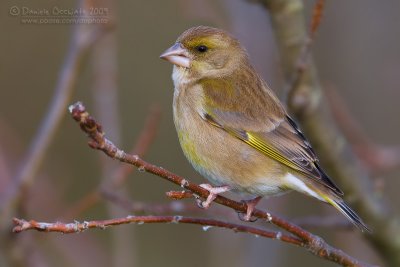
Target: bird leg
213, 193
251, 205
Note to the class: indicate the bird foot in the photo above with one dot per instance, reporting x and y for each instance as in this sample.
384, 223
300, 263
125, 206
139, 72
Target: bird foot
214, 191
251, 205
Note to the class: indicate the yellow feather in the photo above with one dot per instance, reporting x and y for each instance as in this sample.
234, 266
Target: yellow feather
189, 148
256, 142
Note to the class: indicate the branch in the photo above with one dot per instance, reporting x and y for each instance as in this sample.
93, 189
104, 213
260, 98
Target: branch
316, 17
313, 243
77, 227
291, 91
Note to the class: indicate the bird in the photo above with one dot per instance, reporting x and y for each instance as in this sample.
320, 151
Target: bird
235, 131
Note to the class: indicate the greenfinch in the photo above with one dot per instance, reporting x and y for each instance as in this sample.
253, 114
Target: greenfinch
234, 130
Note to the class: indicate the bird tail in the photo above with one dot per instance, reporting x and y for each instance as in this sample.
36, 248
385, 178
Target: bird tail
340, 205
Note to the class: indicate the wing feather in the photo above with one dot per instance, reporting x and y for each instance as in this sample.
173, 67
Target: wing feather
264, 125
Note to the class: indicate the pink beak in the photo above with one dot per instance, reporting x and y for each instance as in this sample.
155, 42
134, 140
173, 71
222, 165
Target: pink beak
177, 55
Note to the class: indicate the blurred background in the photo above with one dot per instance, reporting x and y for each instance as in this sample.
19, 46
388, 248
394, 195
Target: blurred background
121, 80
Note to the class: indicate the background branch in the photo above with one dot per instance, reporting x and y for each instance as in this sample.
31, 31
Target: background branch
14, 197
375, 157
287, 17
83, 38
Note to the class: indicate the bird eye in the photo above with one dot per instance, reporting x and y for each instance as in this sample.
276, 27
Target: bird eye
202, 48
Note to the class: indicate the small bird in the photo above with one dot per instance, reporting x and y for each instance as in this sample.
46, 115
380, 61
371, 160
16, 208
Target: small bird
234, 130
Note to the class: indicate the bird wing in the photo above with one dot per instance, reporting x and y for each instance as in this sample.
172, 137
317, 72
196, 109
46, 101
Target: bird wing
264, 125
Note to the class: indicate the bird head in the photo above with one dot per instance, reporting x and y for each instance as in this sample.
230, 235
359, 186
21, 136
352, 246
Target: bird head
206, 52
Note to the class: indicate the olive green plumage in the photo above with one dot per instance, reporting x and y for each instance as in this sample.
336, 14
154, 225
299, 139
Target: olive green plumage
232, 127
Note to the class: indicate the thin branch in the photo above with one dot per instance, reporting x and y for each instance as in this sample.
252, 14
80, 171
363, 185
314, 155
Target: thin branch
318, 11
313, 243
77, 227
178, 195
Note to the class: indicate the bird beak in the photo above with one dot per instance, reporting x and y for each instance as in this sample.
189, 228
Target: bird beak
177, 55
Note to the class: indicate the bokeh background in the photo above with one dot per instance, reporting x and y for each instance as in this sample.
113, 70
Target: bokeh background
356, 51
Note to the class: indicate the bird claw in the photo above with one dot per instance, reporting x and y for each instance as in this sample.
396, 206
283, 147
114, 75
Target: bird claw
213, 193
245, 218
251, 205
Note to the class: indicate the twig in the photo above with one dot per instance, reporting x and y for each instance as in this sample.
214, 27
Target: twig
178, 195
317, 17
313, 243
